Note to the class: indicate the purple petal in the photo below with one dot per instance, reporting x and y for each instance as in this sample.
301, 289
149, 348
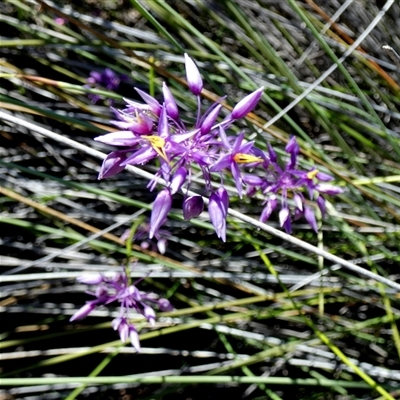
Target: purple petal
134, 337
91, 279
292, 147
328, 189
193, 76
192, 207
284, 215
178, 180
141, 156
164, 305
321, 176
140, 124
253, 180
170, 103
210, 119
247, 104
321, 205
150, 101
310, 217
120, 324
150, 315
163, 128
223, 195
269, 208
272, 154
84, 311
237, 178
120, 138
217, 215
224, 162
112, 164
161, 207
298, 200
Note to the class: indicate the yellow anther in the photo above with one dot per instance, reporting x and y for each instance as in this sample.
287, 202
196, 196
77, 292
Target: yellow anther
312, 174
246, 158
157, 143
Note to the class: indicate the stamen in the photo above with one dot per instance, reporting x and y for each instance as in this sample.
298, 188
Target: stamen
312, 174
158, 144
246, 158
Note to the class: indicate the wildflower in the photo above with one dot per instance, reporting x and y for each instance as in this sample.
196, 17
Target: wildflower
239, 154
107, 79
290, 179
119, 289
155, 131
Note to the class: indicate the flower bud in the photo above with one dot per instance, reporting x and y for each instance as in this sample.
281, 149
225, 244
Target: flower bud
192, 207
193, 76
247, 104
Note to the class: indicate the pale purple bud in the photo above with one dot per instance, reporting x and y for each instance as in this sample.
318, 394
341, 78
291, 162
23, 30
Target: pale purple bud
217, 211
209, 121
328, 189
162, 245
321, 205
150, 101
321, 176
178, 180
292, 146
134, 337
269, 208
192, 207
272, 154
310, 217
223, 195
112, 164
149, 314
84, 311
170, 103
298, 200
193, 76
253, 180
161, 207
164, 305
90, 279
120, 324
283, 216
247, 104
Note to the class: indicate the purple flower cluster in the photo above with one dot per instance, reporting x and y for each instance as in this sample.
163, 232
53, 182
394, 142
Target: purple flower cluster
120, 289
155, 130
107, 79
290, 178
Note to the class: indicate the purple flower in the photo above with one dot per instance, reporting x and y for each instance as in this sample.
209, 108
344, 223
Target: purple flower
290, 179
155, 131
107, 79
119, 289
239, 154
